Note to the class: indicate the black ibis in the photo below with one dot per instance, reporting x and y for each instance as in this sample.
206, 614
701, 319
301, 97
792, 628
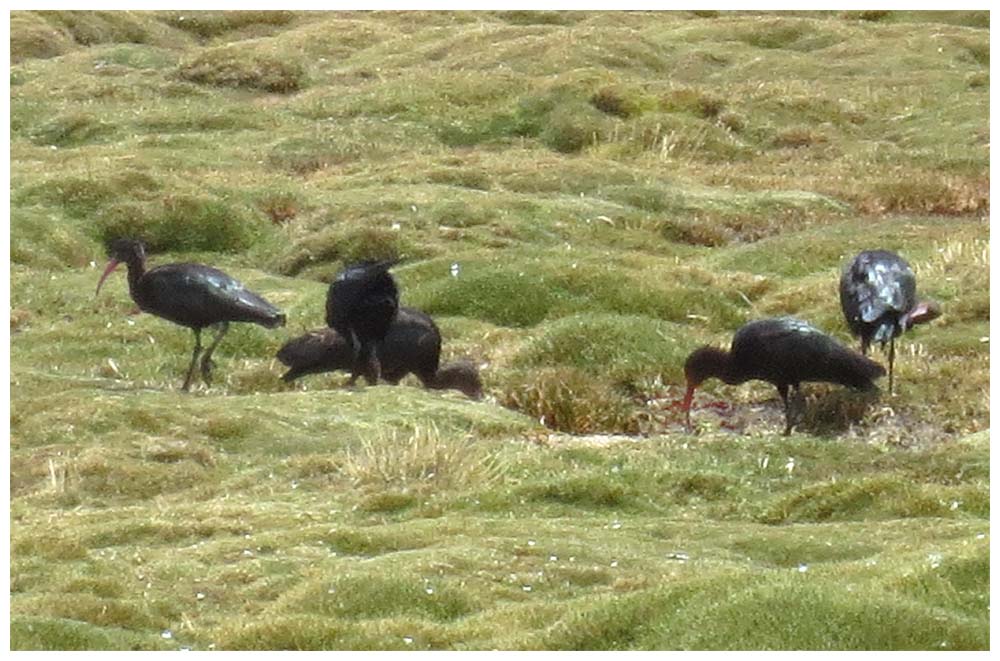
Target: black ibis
785, 352
360, 305
878, 294
192, 295
412, 345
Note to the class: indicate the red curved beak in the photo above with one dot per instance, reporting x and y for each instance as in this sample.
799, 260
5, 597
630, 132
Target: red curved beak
112, 265
686, 405
922, 312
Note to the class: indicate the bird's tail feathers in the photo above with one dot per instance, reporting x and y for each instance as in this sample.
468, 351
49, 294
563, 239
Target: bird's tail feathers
276, 320
860, 371
885, 332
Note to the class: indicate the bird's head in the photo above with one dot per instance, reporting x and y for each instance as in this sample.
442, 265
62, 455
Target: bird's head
129, 251
319, 348
461, 375
703, 364
126, 249
921, 313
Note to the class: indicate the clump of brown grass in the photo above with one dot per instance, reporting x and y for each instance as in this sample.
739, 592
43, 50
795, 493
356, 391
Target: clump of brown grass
926, 192
733, 121
979, 79
32, 36
423, 460
871, 15
208, 24
695, 231
799, 136
172, 451
279, 207
612, 102
345, 244
19, 318
568, 399
570, 129
830, 409
232, 67
695, 101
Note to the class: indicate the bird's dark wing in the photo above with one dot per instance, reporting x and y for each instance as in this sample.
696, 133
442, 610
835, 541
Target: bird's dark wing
765, 342
789, 350
197, 295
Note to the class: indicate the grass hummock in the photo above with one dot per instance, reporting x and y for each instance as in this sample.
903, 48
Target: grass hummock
579, 199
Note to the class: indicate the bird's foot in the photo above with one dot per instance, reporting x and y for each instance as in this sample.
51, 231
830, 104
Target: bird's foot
206, 370
373, 370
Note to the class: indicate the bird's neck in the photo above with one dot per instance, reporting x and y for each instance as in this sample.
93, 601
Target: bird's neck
719, 363
136, 269
729, 374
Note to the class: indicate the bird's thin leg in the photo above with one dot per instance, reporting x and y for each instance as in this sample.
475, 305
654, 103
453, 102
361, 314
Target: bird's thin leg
374, 365
356, 357
194, 359
368, 364
892, 359
799, 401
783, 391
206, 360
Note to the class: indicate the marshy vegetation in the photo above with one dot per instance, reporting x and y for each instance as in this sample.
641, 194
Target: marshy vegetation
579, 199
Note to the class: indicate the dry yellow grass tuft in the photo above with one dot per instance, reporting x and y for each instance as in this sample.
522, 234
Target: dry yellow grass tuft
423, 460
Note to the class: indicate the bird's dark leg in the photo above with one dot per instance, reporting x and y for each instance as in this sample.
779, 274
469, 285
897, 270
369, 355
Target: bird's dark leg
799, 401
206, 360
375, 364
783, 391
194, 359
892, 359
357, 350
369, 365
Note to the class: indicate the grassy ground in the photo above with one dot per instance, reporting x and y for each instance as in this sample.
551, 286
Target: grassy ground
615, 190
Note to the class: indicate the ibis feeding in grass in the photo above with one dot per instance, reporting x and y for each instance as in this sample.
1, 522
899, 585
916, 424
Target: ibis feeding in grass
783, 351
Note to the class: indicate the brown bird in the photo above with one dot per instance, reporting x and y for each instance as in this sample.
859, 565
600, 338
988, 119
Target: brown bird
411, 345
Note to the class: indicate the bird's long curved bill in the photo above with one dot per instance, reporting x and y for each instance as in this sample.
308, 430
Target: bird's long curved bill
112, 265
923, 312
686, 405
